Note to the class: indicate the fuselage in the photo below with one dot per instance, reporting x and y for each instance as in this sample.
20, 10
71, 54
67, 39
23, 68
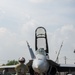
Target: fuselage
40, 64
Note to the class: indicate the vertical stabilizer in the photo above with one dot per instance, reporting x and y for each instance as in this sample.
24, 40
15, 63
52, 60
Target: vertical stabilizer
31, 51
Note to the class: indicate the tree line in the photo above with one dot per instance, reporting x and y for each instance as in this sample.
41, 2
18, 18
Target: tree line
11, 62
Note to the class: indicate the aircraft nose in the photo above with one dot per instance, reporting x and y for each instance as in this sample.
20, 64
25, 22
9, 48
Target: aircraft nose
36, 66
40, 66
36, 63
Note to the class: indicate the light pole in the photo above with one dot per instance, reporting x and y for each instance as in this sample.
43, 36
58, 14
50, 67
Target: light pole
65, 59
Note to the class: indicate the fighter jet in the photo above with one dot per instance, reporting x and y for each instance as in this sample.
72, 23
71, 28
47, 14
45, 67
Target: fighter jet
40, 62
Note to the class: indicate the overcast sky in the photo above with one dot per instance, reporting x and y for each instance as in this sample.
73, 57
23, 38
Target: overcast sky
20, 18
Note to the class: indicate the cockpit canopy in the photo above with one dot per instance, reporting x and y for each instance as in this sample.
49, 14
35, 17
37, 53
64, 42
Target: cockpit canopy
41, 51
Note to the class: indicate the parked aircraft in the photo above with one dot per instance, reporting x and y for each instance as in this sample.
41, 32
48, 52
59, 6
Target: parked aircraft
11, 69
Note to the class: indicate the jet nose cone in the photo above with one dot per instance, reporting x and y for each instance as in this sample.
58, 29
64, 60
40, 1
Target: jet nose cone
36, 66
40, 66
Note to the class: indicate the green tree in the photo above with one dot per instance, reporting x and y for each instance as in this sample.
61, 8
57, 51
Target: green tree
12, 62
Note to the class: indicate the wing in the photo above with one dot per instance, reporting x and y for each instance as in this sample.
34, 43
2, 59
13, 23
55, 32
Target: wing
62, 67
11, 66
52, 63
